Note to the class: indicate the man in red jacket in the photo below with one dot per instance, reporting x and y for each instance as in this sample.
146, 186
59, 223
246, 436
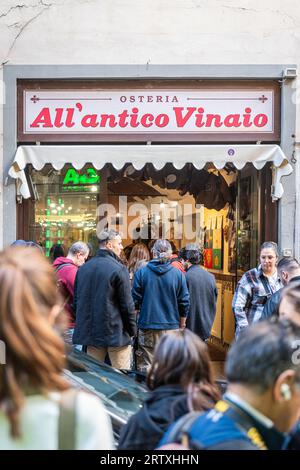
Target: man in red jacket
66, 269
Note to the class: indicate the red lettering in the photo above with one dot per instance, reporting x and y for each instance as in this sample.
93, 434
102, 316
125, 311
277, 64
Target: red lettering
246, 116
58, 117
133, 118
211, 117
111, 118
232, 120
145, 118
70, 114
162, 120
199, 118
180, 119
43, 119
90, 120
260, 120
122, 118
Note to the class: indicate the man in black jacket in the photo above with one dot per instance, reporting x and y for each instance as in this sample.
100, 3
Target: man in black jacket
203, 294
288, 270
105, 314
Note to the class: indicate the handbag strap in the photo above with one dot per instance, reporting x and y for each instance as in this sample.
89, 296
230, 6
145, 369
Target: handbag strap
266, 285
67, 420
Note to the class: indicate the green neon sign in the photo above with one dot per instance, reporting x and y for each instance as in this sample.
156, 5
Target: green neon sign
73, 177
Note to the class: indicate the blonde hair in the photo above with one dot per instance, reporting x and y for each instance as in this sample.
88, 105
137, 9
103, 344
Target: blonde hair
34, 351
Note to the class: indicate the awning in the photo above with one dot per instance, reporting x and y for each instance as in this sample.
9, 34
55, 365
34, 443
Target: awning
158, 155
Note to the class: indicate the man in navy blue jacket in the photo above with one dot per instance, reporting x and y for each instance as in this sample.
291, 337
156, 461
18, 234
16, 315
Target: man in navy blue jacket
160, 292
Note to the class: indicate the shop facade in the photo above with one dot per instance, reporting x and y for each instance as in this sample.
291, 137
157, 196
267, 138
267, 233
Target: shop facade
192, 154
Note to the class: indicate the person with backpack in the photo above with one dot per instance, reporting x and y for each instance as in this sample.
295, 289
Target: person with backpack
66, 269
255, 288
38, 408
179, 380
262, 401
288, 270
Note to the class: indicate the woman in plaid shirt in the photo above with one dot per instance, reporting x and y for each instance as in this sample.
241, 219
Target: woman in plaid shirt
255, 287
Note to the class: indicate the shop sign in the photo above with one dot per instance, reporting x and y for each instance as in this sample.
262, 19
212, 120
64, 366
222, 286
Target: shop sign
74, 181
150, 114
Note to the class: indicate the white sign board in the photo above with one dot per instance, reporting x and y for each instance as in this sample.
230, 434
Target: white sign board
143, 111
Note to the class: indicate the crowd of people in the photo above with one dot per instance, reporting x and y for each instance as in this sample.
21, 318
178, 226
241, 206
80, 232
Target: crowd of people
166, 301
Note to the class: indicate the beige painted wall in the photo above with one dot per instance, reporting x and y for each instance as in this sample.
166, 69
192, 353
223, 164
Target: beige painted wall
156, 31
150, 32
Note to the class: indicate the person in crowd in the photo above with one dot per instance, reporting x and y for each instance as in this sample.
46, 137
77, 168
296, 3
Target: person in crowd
57, 251
255, 287
33, 391
123, 259
19, 243
160, 293
176, 260
91, 251
105, 313
28, 244
179, 380
203, 294
138, 258
66, 269
288, 270
34, 244
262, 401
289, 306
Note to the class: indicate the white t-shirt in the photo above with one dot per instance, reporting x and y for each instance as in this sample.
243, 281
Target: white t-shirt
39, 424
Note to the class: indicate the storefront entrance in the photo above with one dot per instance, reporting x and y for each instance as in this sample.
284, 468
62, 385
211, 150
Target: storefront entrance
218, 209
206, 178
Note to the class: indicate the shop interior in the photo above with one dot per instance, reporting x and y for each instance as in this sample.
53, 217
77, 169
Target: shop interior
217, 209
